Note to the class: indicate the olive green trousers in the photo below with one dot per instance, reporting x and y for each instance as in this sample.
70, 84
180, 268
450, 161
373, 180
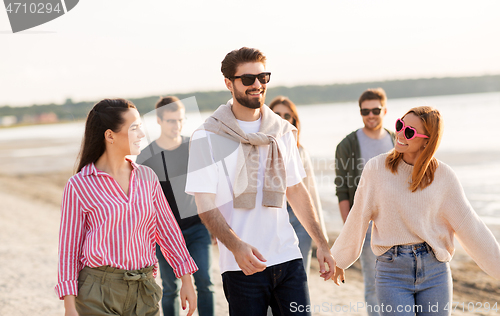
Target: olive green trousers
111, 291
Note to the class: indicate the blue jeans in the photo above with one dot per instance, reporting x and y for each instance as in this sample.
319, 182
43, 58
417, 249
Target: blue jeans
200, 247
305, 241
368, 260
411, 281
282, 286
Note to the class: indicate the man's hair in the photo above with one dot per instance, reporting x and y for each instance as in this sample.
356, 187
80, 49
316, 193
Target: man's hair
373, 94
168, 104
240, 56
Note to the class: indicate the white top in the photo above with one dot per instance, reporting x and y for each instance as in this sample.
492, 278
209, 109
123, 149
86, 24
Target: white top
370, 147
267, 229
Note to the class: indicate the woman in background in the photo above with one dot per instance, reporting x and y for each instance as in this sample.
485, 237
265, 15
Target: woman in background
417, 206
288, 111
113, 214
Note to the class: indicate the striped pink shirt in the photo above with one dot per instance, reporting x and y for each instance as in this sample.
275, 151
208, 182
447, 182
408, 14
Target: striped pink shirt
101, 225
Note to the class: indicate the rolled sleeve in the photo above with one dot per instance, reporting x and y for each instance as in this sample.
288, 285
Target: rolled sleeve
186, 267
66, 288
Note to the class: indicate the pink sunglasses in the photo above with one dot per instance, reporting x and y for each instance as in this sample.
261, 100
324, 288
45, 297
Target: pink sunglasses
410, 133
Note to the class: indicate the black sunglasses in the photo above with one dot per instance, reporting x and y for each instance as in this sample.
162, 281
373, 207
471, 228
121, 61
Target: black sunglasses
366, 112
248, 80
286, 116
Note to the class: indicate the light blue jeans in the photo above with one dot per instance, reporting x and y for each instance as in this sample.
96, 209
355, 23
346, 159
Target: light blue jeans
411, 281
368, 260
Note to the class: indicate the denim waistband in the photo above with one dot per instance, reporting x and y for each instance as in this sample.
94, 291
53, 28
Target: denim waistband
416, 248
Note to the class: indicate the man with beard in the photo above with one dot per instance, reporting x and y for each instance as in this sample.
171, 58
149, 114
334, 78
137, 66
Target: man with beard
243, 161
350, 157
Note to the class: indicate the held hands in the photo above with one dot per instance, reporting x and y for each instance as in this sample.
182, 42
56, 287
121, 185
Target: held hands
249, 259
187, 294
325, 256
339, 275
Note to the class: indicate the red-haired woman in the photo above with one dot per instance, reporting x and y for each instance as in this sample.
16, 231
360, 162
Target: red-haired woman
113, 214
288, 111
417, 206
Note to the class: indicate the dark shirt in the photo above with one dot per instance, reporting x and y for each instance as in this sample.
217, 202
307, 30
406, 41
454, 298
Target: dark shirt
349, 166
173, 179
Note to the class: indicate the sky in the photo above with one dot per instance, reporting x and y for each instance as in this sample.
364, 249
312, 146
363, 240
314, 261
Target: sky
121, 48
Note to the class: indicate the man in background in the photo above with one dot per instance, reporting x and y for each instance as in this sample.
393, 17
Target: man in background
168, 157
350, 157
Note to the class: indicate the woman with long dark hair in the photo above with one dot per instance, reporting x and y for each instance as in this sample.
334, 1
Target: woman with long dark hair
113, 214
285, 108
417, 206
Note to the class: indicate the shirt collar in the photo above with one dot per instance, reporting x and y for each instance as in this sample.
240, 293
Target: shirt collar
90, 169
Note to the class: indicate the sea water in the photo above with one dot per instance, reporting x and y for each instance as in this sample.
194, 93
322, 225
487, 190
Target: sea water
470, 144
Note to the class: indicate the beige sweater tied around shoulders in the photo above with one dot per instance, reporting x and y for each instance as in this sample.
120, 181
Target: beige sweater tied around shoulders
223, 122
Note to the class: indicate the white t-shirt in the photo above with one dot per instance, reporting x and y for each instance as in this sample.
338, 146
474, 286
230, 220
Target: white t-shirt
268, 229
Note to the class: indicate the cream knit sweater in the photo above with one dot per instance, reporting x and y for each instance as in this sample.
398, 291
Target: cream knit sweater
401, 217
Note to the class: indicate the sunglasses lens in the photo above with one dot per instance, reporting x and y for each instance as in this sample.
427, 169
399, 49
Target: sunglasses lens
409, 133
399, 125
286, 116
264, 78
248, 80
366, 112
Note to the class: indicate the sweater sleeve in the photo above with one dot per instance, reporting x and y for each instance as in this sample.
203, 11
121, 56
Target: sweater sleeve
471, 232
347, 248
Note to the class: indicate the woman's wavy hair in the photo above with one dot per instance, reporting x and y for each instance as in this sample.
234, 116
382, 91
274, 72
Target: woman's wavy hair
426, 164
289, 104
106, 114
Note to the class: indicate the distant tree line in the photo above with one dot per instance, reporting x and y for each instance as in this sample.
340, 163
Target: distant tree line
301, 95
